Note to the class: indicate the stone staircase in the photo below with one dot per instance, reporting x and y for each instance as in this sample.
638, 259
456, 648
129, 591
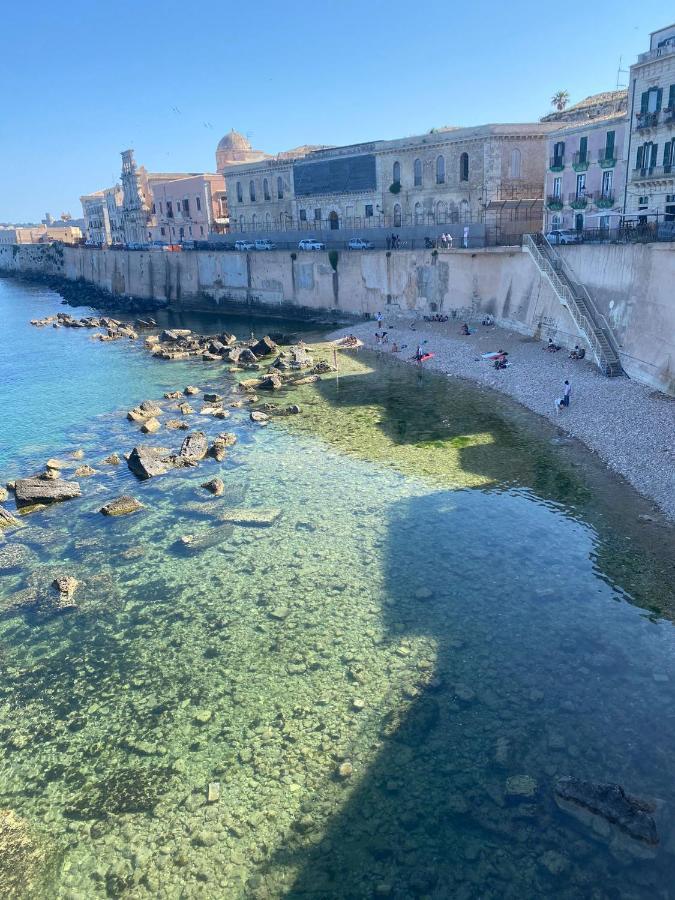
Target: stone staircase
573, 295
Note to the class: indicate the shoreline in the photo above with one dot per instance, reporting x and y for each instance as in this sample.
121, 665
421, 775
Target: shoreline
630, 426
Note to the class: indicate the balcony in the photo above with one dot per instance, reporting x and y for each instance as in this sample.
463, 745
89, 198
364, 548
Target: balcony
579, 200
607, 158
556, 163
580, 161
646, 120
554, 202
656, 53
604, 201
668, 115
654, 173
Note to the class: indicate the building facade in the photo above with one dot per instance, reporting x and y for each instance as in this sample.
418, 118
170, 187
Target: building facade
94, 214
187, 209
586, 172
457, 175
41, 234
651, 182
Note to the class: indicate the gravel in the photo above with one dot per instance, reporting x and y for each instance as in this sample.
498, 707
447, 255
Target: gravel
630, 426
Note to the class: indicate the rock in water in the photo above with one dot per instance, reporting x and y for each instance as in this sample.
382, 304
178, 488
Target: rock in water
7, 520
213, 398
210, 537
259, 417
609, 801
122, 506
215, 485
271, 383
147, 462
65, 587
84, 471
191, 390
112, 460
33, 490
150, 426
264, 347
194, 446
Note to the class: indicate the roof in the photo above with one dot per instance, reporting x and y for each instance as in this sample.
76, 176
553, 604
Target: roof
602, 103
233, 140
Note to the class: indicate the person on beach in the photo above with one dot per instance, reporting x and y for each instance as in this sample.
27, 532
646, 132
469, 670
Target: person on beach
465, 329
567, 390
394, 347
385, 337
378, 316
378, 337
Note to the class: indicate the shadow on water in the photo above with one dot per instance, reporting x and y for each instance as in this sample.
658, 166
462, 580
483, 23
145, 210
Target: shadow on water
516, 665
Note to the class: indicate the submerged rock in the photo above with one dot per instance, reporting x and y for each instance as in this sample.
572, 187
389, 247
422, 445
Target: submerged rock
610, 802
27, 861
29, 491
256, 518
194, 447
122, 506
65, 587
148, 462
112, 460
209, 537
7, 520
13, 556
84, 471
520, 786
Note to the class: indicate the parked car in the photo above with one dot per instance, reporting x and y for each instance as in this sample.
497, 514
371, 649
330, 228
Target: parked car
265, 244
134, 245
556, 236
311, 244
244, 245
360, 244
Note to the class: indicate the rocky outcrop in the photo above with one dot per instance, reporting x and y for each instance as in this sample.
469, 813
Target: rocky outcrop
194, 447
271, 383
150, 426
36, 489
121, 506
84, 471
264, 347
218, 449
632, 816
64, 587
148, 462
259, 417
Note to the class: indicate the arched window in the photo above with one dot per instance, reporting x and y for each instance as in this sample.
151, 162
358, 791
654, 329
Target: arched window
251, 190
254, 221
555, 222
417, 171
464, 211
440, 170
241, 223
240, 193
280, 188
441, 212
397, 215
268, 221
266, 189
396, 173
418, 214
515, 163
464, 167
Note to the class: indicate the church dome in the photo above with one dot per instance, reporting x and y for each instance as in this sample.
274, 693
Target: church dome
234, 141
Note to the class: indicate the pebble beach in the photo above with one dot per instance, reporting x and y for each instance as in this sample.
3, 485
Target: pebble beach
629, 425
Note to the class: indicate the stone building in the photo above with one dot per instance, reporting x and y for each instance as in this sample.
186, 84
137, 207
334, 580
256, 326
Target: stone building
187, 208
234, 149
94, 212
489, 173
41, 234
586, 159
651, 152
113, 199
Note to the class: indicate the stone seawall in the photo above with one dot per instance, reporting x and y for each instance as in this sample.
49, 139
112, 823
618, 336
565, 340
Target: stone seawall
632, 286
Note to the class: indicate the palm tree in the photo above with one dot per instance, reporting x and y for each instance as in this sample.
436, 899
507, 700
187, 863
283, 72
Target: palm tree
560, 100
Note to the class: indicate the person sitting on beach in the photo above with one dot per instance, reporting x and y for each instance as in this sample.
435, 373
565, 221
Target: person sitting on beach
394, 347
574, 353
378, 337
551, 346
385, 337
465, 329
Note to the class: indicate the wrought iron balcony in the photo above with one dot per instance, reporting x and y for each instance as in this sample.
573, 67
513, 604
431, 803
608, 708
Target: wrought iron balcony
607, 158
579, 199
580, 161
669, 115
604, 201
647, 120
554, 202
557, 163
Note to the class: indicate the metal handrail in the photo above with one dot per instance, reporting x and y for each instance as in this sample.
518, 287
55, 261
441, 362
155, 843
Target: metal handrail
565, 293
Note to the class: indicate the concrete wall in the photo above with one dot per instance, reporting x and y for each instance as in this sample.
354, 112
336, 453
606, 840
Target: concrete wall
631, 284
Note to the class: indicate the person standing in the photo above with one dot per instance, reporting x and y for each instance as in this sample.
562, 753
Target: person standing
567, 390
378, 316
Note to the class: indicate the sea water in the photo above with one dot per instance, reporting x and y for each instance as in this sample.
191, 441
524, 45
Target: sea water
455, 606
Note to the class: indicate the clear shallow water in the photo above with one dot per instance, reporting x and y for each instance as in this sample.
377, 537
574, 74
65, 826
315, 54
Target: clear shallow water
484, 590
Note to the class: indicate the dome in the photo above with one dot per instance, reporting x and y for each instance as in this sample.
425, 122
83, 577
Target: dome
234, 141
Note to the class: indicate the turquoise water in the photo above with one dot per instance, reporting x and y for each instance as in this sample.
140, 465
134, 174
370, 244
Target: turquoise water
453, 596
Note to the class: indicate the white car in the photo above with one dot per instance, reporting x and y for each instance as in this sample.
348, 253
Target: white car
311, 244
360, 244
562, 237
244, 245
265, 244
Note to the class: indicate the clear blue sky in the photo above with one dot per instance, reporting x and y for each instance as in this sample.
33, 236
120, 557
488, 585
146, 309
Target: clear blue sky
81, 81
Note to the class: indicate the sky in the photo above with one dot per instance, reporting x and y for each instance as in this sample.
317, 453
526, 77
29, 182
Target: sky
83, 81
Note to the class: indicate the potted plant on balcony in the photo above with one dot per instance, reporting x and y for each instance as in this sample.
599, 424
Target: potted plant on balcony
554, 203
605, 202
579, 203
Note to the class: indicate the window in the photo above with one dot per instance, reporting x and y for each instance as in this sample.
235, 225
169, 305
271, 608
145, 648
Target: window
201, 230
583, 149
397, 215
240, 193
280, 188
417, 173
396, 173
604, 222
668, 154
558, 153
153, 209
515, 163
607, 182
317, 215
169, 209
669, 208
646, 156
440, 170
418, 214
251, 190
609, 144
198, 201
464, 167
162, 231
254, 221
266, 189
303, 215
581, 184
190, 230
441, 212
268, 221
186, 206
557, 188
555, 222
182, 232
161, 209
369, 210
241, 223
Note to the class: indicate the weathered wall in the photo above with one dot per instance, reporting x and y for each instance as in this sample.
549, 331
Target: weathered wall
632, 285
